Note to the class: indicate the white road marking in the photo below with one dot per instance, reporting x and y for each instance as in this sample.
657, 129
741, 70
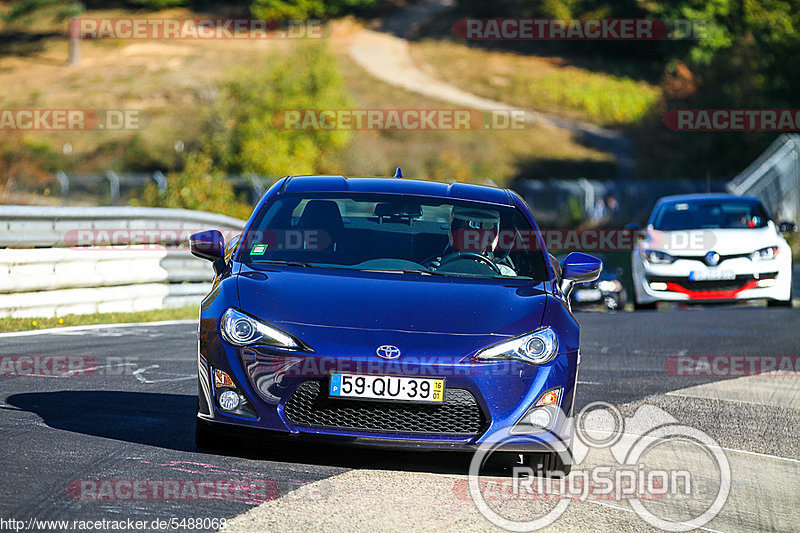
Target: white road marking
723, 448
604, 504
139, 375
70, 329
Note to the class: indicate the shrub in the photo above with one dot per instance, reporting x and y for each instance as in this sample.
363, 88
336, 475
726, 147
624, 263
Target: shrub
198, 186
244, 139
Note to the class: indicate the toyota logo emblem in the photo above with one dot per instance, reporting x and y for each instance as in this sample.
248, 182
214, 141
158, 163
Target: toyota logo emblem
712, 258
387, 351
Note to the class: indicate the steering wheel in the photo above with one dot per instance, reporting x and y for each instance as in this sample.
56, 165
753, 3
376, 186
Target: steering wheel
455, 256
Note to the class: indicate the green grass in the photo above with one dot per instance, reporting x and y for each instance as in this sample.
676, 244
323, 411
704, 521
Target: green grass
544, 84
26, 324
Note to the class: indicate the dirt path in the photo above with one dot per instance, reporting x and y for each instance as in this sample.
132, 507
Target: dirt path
385, 55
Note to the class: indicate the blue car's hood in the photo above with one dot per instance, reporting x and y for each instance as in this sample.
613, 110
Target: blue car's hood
340, 310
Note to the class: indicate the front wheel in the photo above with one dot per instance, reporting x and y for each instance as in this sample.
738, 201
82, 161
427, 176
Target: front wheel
779, 303
643, 307
550, 464
205, 438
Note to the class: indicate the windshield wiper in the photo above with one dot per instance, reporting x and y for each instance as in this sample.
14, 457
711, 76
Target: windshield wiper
409, 271
287, 263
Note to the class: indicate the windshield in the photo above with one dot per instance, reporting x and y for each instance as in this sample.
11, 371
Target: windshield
395, 233
710, 214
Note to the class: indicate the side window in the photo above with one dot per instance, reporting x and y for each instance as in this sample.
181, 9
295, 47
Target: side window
556, 266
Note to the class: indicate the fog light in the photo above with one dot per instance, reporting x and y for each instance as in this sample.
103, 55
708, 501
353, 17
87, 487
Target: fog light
769, 282
539, 418
658, 285
229, 400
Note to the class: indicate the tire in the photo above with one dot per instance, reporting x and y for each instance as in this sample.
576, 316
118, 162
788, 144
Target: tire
643, 307
551, 464
204, 438
779, 303
782, 303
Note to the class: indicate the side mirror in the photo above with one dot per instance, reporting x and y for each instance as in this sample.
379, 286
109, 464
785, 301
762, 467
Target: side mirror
579, 268
209, 245
638, 230
787, 227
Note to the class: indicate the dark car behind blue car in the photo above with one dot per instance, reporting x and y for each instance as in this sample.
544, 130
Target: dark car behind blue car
390, 312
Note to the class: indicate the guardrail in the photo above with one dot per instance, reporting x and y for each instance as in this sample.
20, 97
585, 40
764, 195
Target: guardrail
26, 226
775, 178
114, 186
53, 263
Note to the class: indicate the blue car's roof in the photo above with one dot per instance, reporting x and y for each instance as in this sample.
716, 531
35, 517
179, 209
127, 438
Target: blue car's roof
703, 196
460, 191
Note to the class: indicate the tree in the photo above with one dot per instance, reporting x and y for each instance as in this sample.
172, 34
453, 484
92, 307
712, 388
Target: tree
308, 9
22, 11
246, 136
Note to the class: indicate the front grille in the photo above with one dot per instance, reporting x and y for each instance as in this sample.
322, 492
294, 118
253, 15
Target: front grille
715, 285
458, 415
711, 285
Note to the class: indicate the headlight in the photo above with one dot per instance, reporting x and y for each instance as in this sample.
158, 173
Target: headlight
658, 258
538, 347
765, 254
609, 285
240, 329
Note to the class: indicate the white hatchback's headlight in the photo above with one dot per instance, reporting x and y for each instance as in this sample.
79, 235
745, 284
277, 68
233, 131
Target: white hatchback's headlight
609, 285
658, 258
765, 254
240, 329
538, 347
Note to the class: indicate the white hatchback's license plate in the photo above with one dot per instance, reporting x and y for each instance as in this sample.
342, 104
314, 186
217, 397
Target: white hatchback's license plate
711, 275
393, 388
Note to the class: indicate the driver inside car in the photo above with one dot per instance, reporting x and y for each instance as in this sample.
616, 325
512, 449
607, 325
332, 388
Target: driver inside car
474, 231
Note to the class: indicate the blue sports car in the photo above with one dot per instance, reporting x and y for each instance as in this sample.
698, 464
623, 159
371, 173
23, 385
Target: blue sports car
390, 312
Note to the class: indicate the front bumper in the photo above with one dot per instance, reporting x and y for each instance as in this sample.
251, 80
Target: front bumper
502, 392
683, 281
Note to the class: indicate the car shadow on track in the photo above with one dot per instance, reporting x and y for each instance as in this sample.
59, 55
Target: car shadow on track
167, 421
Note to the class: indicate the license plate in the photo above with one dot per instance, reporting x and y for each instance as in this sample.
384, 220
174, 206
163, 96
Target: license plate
392, 388
711, 275
588, 295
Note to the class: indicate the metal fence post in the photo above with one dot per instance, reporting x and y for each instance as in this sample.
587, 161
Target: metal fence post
160, 179
113, 185
63, 181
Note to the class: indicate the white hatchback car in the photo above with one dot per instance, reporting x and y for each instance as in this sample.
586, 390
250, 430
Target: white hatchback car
712, 247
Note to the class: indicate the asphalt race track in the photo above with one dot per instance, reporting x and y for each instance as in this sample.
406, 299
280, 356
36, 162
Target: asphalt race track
132, 419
